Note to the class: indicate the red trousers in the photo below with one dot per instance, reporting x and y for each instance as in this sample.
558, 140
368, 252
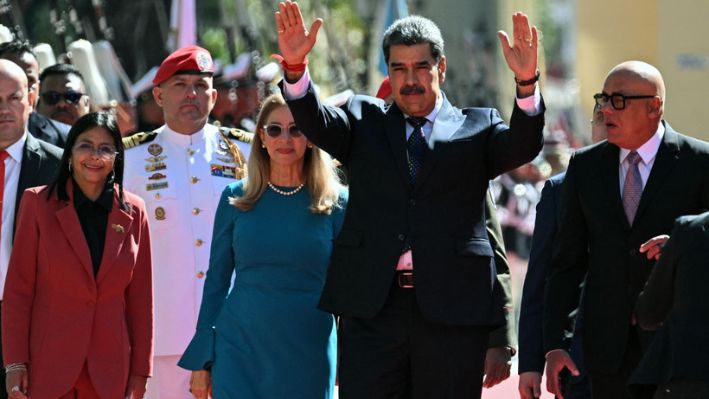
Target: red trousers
83, 388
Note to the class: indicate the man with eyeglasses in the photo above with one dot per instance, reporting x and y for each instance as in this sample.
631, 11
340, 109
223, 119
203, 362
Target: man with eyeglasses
617, 195
40, 126
62, 94
24, 161
180, 170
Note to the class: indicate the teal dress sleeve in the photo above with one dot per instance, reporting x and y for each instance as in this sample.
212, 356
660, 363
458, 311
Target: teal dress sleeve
199, 354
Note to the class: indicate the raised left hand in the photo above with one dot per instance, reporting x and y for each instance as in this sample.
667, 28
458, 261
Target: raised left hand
521, 55
498, 362
136, 387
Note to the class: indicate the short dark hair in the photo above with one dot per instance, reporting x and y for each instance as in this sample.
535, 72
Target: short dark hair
60, 69
413, 30
17, 47
87, 122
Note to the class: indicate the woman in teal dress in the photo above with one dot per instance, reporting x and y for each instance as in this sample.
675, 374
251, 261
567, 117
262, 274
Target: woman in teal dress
266, 338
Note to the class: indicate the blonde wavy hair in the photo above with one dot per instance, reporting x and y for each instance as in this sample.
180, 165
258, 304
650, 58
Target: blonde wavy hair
322, 178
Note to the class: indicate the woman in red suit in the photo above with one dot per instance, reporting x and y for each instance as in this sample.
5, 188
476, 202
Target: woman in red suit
77, 319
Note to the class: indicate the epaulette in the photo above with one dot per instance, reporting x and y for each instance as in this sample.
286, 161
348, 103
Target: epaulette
137, 139
237, 134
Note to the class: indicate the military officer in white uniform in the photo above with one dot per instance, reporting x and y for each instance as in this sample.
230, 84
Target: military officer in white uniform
180, 171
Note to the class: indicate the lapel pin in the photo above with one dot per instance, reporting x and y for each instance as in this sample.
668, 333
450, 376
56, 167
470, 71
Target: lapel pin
118, 228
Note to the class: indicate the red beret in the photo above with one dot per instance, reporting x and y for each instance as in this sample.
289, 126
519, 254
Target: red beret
187, 60
384, 89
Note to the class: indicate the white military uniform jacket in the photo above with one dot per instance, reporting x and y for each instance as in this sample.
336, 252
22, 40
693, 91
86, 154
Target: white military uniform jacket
181, 178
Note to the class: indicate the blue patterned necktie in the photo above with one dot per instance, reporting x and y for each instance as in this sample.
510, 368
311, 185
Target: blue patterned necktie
633, 187
416, 147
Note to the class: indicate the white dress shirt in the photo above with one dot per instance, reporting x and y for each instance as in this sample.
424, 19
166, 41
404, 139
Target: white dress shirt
12, 177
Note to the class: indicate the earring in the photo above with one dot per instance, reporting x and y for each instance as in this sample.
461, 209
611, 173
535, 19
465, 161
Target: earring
263, 145
310, 146
69, 165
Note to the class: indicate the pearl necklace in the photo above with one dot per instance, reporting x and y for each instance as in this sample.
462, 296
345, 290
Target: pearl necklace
286, 193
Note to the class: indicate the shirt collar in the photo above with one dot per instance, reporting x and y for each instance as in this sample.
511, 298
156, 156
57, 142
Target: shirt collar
436, 109
16, 148
182, 139
649, 149
104, 200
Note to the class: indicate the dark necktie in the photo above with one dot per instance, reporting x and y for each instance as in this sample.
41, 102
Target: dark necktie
416, 147
633, 187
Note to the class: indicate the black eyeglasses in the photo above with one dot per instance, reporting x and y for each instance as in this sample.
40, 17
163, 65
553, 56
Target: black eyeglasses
275, 130
53, 97
617, 100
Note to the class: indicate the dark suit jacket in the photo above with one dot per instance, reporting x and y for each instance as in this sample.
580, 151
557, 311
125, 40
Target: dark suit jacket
675, 295
506, 335
531, 348
40, 164
45, 129
442, 216
595, 240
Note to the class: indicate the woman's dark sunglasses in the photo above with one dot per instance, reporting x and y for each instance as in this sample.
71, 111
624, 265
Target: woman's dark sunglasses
274, 130
53, 97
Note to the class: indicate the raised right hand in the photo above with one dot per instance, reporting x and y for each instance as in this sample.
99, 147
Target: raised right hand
16, 383
557, 360
530, 385
201, 384
294, 40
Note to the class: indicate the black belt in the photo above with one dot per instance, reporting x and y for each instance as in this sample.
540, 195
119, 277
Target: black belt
405, 278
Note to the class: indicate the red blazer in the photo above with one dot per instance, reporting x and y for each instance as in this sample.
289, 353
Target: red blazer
56, 316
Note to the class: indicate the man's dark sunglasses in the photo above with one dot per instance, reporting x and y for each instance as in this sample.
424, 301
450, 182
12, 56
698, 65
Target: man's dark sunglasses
617, 100
53, 97
274, 130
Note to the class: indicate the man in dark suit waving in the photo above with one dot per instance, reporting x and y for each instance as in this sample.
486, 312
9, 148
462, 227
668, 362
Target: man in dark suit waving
411, 274
618, 194
24, 161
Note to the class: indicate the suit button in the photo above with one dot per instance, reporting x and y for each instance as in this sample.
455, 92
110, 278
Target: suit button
194, 179
198, 242
412, 202
90, 303
633, 252
401, 237
200, 274
196, 211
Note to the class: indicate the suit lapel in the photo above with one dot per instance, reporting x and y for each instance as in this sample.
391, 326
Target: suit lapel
610, 187
117, 230
665, 160
395, 128
69, 222
29, 167
448, 121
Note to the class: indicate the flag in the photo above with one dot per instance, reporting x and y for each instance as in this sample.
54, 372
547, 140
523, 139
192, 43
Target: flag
183, 24
388, 12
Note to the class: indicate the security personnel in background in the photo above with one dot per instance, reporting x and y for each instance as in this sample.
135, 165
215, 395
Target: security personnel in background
180, 171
